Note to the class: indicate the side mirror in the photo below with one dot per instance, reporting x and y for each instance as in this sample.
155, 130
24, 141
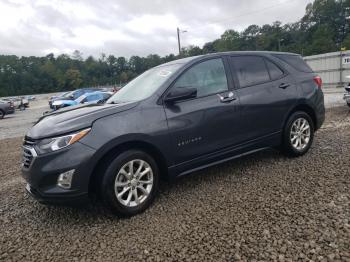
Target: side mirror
180, 93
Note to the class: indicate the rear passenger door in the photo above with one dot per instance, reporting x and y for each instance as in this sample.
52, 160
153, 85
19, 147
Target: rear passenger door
266, 94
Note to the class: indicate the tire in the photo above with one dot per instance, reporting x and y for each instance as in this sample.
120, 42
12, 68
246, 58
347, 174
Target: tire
118, 171
2, 114
22, 107
348, 104
297, 142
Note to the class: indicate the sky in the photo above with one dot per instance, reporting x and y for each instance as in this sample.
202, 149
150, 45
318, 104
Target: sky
129, 27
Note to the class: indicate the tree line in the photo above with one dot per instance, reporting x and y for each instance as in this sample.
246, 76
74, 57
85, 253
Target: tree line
324, 28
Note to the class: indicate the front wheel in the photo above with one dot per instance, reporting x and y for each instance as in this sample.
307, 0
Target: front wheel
298, 134
130, 183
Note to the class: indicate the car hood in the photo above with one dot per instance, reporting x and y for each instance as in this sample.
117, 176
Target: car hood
63, 101
74, 118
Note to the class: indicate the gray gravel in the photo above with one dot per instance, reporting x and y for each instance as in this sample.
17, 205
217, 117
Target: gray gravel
17, 124
261, 207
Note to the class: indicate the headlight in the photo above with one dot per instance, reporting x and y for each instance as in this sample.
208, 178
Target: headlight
53, 144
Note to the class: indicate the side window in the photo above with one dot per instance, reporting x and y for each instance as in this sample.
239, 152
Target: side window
78, 94
208, 77
275, 71
295, 61
92, 98
251, 70
106, 96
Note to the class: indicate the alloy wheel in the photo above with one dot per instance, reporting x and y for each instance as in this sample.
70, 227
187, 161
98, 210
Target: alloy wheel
133, 183
300, 134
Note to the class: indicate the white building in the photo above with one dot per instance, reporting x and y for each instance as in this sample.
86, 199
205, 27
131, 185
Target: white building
331, 67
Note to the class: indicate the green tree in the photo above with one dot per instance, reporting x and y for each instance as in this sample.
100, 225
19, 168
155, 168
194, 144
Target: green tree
346, 42
229, 41
73, 79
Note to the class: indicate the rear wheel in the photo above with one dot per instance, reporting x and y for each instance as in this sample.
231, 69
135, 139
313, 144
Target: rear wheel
298, 134
130, 183
2, 114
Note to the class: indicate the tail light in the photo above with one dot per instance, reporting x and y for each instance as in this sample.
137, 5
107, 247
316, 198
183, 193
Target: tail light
318, 81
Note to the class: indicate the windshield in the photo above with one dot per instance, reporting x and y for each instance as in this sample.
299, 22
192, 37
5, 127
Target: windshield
67, 94
81, 98
144, 85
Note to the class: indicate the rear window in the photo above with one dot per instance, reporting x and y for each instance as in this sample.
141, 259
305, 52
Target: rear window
295, 61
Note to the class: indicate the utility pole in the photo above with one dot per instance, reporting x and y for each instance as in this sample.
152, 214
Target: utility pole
178, 38
341, 68
178, 41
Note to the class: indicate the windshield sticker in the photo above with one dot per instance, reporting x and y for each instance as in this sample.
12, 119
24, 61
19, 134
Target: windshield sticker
164, 73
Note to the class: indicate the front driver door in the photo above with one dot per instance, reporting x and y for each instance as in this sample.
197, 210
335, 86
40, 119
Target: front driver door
210, 121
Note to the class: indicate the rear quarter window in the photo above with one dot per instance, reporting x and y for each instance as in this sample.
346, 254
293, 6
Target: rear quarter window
274, 70
296, 61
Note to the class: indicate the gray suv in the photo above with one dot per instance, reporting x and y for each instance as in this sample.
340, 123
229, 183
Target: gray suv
172, 120
6, 107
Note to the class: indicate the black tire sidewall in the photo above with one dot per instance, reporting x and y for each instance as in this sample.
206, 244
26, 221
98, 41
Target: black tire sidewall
107, 185
288, 147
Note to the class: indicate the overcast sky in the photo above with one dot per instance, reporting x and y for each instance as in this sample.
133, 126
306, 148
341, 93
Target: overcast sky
129, 27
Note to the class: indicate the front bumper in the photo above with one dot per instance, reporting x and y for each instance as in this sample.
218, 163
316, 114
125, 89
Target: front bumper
59, 199
42, 174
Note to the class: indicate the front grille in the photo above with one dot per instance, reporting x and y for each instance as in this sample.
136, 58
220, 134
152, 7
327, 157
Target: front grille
28, 142
28, 153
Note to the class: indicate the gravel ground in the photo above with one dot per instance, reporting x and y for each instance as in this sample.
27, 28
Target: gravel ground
17, 124
261, 207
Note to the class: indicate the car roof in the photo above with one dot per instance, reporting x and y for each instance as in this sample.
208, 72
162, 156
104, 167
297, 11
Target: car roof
92, 93
192, 58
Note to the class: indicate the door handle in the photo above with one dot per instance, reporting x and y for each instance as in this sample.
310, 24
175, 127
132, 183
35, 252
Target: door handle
227, 97
283, 85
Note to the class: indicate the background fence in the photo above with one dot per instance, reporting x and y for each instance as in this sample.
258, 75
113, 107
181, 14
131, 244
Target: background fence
332, 67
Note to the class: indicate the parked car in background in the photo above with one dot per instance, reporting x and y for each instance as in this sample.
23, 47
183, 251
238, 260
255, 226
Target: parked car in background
12, 107
347, 94
173, 119
72, 95
18, 102
87, 98
30, 98
6, 107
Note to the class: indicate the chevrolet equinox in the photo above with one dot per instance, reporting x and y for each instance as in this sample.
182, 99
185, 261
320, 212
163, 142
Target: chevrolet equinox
171, 120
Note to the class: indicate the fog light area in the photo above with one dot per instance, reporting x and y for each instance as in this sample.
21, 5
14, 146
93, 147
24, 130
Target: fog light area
65, 179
